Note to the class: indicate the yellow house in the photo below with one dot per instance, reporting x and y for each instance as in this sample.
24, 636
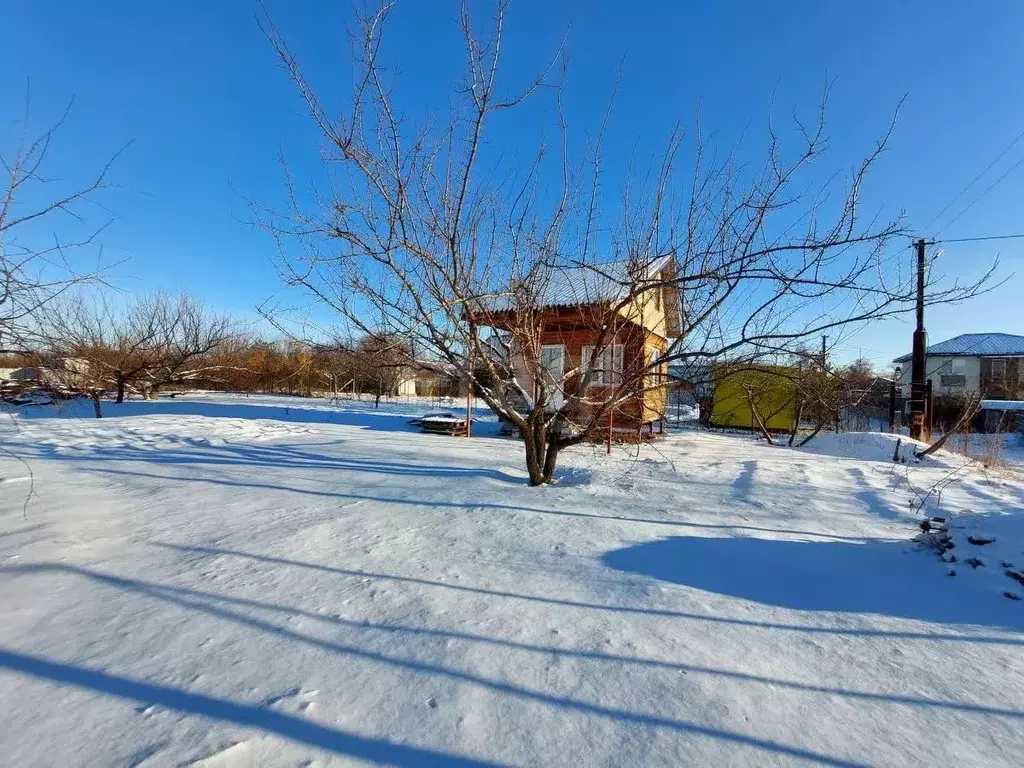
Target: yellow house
740, 390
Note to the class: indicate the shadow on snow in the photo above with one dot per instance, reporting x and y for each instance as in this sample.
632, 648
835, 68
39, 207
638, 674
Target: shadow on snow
472, 506
151, 588
268, 720
384, 419
875, 577
620, 609
301, 730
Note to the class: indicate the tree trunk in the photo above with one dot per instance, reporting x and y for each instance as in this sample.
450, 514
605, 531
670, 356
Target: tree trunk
534, 462
95, 395
550, 459
813, 434
760, 422
120, 389
797, 418
541, 453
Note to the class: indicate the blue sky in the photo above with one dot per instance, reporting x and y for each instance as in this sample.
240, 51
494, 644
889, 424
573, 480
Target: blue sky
197, 89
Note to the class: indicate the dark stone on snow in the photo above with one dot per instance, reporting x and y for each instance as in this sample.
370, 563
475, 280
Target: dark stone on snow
1011, 595
979, 540
1017, 576
973, 562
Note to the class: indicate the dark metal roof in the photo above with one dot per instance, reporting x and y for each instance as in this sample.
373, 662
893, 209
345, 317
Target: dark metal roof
976, 345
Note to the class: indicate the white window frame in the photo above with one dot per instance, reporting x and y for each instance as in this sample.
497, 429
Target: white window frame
555, 377
601, 377
958, 366
992, 370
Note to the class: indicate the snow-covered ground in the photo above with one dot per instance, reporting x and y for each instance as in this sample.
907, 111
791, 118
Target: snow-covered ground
225, 581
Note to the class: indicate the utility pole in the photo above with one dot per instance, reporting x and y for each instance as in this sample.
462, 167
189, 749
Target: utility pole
917, 370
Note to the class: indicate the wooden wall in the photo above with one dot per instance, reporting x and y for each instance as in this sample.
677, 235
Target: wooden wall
648, 406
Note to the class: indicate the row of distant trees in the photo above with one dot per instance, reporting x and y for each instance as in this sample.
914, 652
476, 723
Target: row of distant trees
94, 343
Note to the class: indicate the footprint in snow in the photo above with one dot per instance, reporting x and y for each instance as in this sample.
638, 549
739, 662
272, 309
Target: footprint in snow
296, 698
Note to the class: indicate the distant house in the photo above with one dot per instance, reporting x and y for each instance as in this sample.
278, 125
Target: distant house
693, 376
431, 378
406, 384
573, 303
990, 363
19, 374
58, 371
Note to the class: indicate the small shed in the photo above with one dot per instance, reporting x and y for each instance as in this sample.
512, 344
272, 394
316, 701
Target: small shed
739, 390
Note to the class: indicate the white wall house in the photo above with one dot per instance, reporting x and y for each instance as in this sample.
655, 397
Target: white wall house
66, 371
973, 362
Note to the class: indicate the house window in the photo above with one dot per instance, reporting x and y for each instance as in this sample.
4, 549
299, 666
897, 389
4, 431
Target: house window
552, 361
552, 364
998, 368
953, 373
606, 369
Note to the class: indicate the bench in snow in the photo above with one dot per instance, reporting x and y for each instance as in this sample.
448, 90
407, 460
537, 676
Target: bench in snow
441, 424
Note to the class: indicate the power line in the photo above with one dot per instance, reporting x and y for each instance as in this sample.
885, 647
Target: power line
975, 180
976, 239
1010, 170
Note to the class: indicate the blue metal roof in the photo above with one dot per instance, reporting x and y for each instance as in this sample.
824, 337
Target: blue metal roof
976, 345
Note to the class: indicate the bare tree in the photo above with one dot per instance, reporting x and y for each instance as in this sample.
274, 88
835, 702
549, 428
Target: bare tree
154, 340
37, 264
381, 361
191, 334
429, 231
119, 344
